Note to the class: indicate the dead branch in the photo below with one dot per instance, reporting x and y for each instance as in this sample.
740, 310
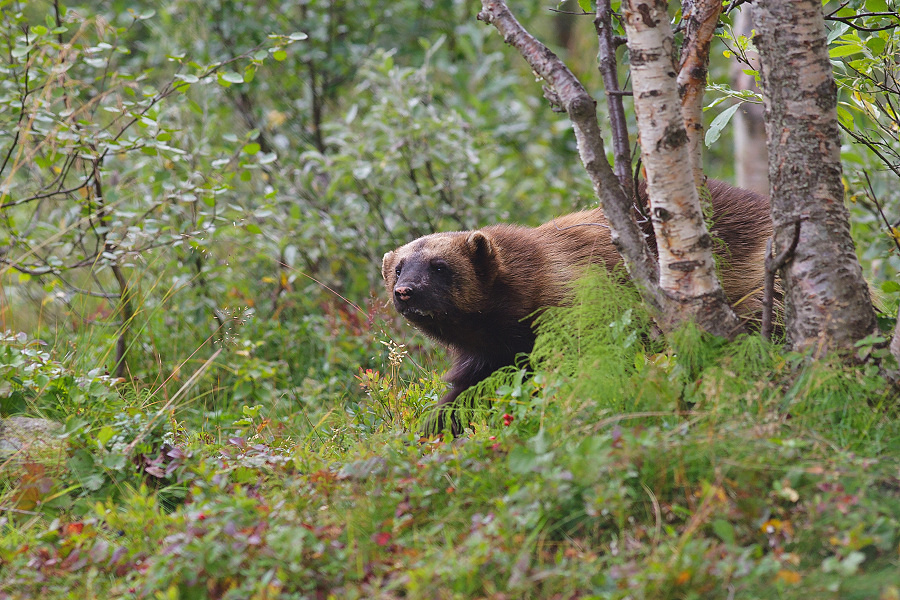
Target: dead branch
773, 264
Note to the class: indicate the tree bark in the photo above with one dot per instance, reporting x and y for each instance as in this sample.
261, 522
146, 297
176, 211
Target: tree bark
827, 300
686, 264
751, 164
700, 18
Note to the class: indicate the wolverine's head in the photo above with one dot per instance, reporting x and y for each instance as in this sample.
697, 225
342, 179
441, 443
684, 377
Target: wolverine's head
438, 278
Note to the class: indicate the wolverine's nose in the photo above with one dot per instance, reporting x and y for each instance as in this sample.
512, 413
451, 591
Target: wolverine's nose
403, 293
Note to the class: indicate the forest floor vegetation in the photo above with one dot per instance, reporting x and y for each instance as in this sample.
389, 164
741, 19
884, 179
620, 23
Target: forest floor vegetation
615, 466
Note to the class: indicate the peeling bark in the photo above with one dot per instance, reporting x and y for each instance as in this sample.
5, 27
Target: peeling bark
828, 307
686, 264
700, 17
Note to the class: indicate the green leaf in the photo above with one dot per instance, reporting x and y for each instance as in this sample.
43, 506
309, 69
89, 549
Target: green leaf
877, 6
279, 55
719, 123
845, 50
20, 51
105, 434
585, 5
845, 117
890, 287
522, 460
876, 45
115, 462
298, 36
251, 148
231, 77
724, 530
254, 228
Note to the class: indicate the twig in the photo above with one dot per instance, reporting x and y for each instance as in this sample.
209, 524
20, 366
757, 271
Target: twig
773, 264
881, 212
571, 12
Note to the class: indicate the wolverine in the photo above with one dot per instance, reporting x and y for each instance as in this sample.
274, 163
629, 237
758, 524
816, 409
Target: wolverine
478, 292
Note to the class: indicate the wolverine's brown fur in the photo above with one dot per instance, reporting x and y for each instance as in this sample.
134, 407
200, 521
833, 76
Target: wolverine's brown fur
477, 291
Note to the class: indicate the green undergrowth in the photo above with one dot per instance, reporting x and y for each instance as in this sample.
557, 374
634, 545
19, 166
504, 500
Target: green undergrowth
614, 464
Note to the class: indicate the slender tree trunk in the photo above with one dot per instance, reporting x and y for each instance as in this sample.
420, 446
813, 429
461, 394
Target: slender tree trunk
618, 124
827, 300
751, 164
686, 267
700, 18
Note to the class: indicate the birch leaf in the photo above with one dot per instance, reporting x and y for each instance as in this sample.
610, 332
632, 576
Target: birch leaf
719, 123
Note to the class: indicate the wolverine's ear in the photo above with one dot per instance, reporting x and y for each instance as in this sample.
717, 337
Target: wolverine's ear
480, 247
387, 264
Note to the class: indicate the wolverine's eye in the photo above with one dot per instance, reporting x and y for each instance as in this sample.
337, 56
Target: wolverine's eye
438, 266
397, 270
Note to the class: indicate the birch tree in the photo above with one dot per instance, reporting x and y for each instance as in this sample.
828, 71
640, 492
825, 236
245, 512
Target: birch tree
683, 286
827, 299
686, 265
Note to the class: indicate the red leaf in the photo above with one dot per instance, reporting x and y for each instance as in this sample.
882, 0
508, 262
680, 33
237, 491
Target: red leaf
382, 538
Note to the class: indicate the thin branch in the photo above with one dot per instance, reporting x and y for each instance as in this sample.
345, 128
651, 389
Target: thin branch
874, 198
570, 12
871, 145
608, 67
773, 264
121, 280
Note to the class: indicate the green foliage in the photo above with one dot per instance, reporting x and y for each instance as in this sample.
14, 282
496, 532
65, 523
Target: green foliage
104, 427
623, 466
244, 176
863, 43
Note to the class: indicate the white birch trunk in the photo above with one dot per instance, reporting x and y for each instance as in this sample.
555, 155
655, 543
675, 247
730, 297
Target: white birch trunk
686, 265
